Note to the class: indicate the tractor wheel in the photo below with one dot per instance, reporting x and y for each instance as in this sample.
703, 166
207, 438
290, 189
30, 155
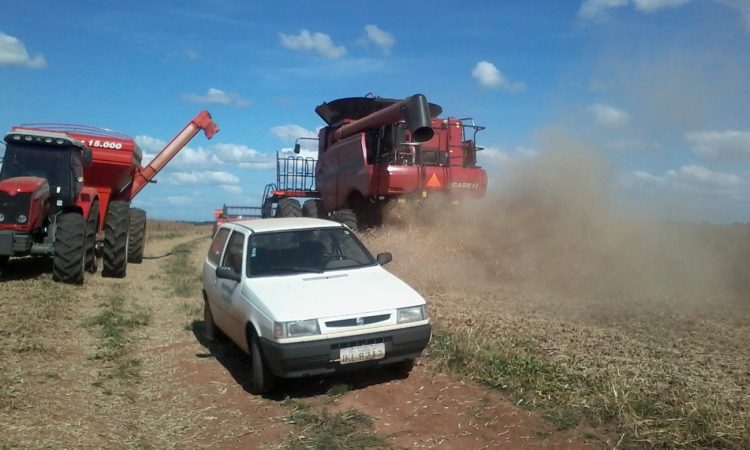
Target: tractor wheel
263, 380
313, 208
69, 260
116, 239
347, 217
4, 261
136, 235
92, 226
288, 207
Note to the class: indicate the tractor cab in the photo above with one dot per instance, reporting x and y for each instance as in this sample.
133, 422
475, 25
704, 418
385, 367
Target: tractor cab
54, 157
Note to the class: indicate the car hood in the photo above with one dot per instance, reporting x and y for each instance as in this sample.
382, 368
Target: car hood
331, 294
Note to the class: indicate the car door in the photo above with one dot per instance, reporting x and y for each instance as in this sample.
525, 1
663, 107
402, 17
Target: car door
229, 290
213, 260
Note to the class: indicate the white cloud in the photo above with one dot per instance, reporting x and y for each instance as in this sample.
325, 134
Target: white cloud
598, 9
491, 77
690, 179
245, 157
232, 189
649, 6
187, 157
290, 133
729, 145
217, 97
320, 43
609, 116
383, 39
13, 53
203, 178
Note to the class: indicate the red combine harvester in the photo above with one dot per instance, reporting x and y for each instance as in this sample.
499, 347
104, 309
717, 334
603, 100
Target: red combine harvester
375, 151
62, 185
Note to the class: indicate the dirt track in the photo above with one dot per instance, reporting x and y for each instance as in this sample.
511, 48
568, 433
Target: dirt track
192, 394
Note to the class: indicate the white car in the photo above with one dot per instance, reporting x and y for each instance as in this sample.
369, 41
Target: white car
304, 297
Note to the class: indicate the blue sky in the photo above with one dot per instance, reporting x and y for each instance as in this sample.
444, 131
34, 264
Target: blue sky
659, 89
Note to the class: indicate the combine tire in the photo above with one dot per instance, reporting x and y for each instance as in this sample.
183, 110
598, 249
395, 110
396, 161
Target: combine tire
136, 235
69, 259
116, 240
313, 208
92, 225
288, 207
347, 217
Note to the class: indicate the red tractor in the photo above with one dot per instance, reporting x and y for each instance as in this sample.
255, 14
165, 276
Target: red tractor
61, 186
376, 151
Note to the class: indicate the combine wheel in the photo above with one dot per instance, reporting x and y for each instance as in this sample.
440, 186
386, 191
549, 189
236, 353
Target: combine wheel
92, 225
288, 207
313, 208
4, 261
69, 259
136, 235
347, 217
116, 239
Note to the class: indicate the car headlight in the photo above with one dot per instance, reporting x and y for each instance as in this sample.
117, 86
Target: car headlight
411, 314
21, 218
297, 328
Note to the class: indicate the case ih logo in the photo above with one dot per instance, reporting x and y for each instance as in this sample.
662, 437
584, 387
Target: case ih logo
360, 321
457, 185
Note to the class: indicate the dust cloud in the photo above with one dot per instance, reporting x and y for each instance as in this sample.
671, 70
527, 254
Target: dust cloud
555, 230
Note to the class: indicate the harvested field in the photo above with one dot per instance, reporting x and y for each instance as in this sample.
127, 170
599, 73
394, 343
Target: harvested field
559, 323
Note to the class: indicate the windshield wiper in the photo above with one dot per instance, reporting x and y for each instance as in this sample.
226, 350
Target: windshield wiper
290, 270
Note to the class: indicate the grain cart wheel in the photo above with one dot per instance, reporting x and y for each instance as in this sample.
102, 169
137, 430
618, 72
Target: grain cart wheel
288, 207
69, 260
4, 261
347, 217
92, 226
116, 239
313, 208
263, 380
136, 235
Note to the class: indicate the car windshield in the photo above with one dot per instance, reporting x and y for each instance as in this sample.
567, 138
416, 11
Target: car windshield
305, 251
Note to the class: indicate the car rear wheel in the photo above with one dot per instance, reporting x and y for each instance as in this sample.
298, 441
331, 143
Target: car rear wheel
263, 380
210, 329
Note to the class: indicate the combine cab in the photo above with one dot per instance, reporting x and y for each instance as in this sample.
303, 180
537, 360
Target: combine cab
375, 152
61, 186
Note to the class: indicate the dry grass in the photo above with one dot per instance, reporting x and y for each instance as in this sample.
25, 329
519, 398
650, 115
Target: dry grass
547, 292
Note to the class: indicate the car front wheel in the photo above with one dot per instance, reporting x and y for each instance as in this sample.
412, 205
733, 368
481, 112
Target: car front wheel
263, 380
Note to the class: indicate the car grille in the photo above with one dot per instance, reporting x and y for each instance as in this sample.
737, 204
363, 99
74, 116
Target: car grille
357, 343
353, 322
13, 205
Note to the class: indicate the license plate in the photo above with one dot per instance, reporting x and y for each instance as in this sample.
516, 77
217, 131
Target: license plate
362, 353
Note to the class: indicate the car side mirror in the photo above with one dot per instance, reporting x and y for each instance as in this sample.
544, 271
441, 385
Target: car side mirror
384, 258
226, 273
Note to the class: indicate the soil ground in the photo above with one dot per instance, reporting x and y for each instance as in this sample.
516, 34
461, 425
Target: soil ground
191, 393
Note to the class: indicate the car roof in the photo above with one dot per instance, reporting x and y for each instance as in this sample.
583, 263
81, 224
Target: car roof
283, 224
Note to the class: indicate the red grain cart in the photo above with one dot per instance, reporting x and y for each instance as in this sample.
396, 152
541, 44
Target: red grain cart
62, 186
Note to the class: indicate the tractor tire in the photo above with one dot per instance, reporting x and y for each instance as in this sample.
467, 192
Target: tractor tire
116, 239
136, 235
92, 226
288, 207
69, 258
313, 208
347, 217
4, 261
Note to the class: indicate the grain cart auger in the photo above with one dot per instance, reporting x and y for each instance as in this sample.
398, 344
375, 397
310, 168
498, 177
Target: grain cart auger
62, 186
374, 152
